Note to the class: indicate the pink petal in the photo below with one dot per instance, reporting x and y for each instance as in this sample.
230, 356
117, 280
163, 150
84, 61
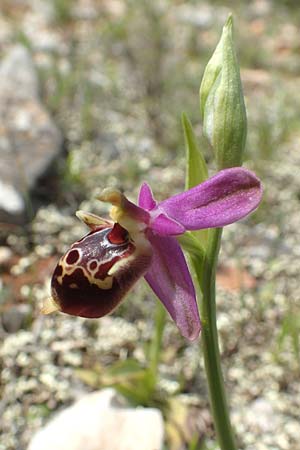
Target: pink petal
165, 226
170, 279
223, 199
146, 199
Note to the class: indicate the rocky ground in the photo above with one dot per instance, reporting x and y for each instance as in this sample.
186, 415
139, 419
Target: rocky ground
96, 102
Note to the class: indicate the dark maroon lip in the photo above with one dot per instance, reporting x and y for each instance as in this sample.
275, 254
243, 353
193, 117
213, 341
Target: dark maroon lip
84, 282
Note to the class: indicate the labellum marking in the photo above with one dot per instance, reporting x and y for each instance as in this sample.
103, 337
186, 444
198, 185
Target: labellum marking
72, 257
102, 283
93, 265
121, 264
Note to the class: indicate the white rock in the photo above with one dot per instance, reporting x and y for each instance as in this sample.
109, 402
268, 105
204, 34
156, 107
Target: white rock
10, 200
98, 421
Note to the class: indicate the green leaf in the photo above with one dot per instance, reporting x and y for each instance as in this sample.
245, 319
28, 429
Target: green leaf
136, 383
196, 171
196, 168
191, 245
90, 377
134, 392
123, 371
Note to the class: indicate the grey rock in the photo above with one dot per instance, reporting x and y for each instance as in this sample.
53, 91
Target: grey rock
99, 421
18, 76
29, 139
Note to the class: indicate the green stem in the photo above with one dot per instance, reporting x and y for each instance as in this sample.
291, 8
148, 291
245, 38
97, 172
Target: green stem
206, 276
156, 343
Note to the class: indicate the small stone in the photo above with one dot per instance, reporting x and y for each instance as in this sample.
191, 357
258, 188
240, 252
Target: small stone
260, 416
11, 202
99, 421
16, 317
5, 254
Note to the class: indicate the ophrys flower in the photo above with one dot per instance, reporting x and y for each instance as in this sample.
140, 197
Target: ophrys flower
94, 275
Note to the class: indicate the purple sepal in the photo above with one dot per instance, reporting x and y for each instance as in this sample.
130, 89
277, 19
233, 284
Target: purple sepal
223, 199
146, 199
170, 279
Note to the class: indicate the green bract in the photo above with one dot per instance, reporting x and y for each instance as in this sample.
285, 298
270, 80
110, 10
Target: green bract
222, 104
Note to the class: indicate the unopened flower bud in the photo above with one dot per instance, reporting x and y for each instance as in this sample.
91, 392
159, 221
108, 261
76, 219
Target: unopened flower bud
222, 104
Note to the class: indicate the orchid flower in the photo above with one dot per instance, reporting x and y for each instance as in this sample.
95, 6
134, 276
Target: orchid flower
94, 275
